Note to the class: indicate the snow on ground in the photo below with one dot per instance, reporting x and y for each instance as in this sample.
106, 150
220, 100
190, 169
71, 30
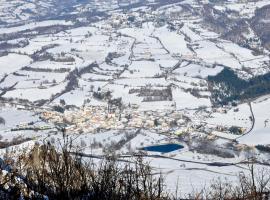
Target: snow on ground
162, 105
34, 25
175, 43
244, 56
13, 117
120, 91
186, 100
189, 176
196, 70
35, 94
140, 82
48, 64
191, 34
32, 82
210, 53
75, 97
139, 69
13, 62
244, 8
238, 116
261, 131
79, 96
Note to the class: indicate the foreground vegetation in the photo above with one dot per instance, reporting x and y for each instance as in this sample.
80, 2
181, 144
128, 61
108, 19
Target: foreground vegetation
47, 173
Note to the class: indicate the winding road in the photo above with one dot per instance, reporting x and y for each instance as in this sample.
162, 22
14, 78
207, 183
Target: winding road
253, 121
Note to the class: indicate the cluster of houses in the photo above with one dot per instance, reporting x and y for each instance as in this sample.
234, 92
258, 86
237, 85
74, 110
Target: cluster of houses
97, 118
94, 119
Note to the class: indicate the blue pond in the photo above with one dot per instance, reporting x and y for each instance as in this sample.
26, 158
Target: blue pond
163, 148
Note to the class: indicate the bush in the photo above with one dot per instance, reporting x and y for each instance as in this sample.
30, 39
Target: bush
65, 175
47, 173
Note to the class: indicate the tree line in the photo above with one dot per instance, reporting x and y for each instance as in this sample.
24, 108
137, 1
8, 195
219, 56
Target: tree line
226, 87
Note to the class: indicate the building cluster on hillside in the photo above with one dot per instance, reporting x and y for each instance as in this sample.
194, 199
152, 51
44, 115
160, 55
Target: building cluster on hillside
137, 17
96, 118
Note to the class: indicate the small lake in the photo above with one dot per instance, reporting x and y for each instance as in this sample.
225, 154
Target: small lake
163, 148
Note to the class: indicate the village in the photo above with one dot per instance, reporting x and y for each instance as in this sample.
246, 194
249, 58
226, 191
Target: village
96, 119
93, 119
